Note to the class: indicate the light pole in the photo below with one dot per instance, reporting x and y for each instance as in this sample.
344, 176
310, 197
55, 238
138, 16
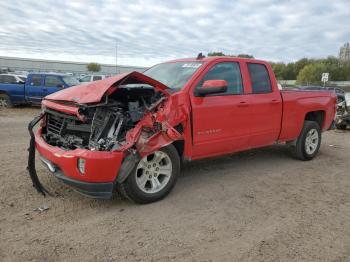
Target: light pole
116, 57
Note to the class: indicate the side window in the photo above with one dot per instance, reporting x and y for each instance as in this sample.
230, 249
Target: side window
9, 79
36, 80
85, 79
52, 81
228, 71
1, 79
260, 78
97, 78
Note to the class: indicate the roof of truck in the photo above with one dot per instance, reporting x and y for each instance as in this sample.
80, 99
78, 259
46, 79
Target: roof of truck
48, 73
211, 58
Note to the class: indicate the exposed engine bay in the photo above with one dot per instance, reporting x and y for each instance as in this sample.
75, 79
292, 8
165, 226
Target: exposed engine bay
103, 126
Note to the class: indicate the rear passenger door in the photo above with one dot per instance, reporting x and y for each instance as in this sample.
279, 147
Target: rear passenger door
35, 88
266, 106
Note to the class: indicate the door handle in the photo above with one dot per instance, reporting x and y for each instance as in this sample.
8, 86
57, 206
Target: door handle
44, 89
243, 104
274, 101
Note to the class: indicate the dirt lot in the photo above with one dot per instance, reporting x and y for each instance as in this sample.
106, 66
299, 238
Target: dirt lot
259, 205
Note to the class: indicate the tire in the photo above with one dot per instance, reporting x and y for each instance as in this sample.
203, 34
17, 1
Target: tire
142, 187
5, 101
308, 142
341, 126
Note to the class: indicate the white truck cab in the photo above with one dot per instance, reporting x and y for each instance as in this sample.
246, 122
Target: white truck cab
91, 78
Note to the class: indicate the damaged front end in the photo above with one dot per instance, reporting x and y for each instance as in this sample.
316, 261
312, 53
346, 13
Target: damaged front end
132, 114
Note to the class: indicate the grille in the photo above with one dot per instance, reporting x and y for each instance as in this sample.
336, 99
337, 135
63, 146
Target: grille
55, 124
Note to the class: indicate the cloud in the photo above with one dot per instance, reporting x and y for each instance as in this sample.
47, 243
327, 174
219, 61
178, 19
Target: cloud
149, 31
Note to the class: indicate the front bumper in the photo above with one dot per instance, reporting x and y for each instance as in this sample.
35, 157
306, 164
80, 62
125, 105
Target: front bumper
94, 190
101, 167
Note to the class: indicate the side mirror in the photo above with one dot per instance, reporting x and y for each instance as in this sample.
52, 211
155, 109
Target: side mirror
213, 87
20, 81
60, 85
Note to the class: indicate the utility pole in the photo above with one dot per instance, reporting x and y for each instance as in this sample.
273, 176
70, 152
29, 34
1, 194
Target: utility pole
116, 57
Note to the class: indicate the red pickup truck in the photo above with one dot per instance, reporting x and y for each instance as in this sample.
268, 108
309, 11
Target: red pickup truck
131, 132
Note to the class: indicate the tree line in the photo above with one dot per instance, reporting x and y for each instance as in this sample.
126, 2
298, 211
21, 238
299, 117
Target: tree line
306, 70
309, 71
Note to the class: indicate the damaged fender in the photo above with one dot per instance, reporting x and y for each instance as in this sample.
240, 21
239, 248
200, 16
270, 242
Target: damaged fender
170, 114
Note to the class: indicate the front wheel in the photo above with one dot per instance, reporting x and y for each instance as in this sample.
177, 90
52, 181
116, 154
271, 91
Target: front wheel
153, 177
308, 142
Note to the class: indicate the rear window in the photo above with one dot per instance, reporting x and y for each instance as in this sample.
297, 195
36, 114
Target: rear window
259, 78
97, 78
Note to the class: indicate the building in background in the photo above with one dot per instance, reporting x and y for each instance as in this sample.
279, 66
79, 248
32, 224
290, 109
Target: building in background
344, 53
76, 68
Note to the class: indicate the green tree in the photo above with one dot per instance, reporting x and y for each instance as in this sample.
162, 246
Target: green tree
289, 72
311, 74
300, 64
279, 70
245, 56
216, 54
93, 67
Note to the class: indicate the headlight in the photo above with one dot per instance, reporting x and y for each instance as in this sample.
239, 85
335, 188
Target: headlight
81, 165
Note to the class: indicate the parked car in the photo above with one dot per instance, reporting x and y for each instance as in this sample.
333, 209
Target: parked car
23, 73
91, 78
132, 132
16, 90
339, 92
342, 119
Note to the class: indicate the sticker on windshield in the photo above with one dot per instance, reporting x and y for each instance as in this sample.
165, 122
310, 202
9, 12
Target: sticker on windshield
192, 65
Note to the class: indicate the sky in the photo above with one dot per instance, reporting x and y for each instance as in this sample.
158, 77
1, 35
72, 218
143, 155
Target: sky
147, 32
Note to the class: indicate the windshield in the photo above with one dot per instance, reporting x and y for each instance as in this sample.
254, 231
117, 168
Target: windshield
174, 75
71, 81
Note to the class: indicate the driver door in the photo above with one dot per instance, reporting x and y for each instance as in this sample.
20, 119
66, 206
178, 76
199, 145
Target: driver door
52, 84
221, 121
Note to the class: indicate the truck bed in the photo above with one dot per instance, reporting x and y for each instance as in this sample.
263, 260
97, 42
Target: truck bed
296, 105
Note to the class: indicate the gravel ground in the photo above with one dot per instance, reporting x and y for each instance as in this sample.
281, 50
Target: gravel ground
259, 205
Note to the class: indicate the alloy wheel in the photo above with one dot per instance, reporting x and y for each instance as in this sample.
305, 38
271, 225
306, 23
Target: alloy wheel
153, 172
311, 141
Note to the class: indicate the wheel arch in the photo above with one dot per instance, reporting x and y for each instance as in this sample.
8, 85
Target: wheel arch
180, 147
316, 116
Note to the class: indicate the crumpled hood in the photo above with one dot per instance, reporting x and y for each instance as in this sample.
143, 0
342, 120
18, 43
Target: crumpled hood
94, 91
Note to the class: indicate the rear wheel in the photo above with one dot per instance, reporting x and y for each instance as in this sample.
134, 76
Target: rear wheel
153, 177
308, 142
5, 101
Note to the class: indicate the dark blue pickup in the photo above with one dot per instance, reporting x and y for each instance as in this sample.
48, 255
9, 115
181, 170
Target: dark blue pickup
34, 89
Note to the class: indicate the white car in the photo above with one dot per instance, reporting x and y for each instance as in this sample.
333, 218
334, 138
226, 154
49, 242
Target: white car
12, 79
91, 78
